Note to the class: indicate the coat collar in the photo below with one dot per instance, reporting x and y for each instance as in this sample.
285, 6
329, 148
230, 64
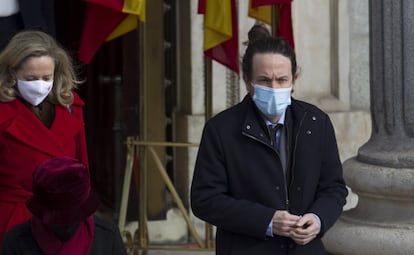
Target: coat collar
254, 125
27, 129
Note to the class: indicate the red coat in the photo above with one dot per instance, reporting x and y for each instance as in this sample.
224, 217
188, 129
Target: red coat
25, 142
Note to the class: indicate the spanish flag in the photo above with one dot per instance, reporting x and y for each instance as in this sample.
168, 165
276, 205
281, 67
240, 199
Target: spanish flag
105, 20
261, 10
221, 32
261, 13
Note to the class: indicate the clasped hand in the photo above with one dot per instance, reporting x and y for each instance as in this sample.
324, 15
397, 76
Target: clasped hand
302, 229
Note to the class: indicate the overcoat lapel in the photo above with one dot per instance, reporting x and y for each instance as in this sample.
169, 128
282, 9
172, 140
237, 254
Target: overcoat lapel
29, 130
66, 125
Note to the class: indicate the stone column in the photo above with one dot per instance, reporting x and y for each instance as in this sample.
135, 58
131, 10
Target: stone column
382, 174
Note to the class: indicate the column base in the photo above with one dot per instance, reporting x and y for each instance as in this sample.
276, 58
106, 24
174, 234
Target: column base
382, 223
350, 236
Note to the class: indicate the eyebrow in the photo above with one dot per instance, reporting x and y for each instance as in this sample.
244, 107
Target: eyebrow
36, 76
271, 78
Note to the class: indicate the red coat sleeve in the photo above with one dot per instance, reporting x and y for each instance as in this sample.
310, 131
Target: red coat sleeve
81, 148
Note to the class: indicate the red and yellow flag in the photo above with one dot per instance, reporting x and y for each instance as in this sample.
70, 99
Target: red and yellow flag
261, 13
106, 20
261, 10
221, 31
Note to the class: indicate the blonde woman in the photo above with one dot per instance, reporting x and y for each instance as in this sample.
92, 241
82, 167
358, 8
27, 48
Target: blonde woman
40, 117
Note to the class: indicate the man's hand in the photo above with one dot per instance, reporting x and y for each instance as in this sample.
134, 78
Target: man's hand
302, 229
283, 223
306, 229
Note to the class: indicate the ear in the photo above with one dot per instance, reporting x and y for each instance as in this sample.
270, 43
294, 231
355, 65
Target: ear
294, 77
293, 83
249, 86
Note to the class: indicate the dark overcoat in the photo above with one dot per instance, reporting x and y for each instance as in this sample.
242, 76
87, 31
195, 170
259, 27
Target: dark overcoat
238, 181
106, 240
33, 14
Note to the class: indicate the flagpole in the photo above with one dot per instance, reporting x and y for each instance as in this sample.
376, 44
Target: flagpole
275, 19
208, 104
208, 97
141, 153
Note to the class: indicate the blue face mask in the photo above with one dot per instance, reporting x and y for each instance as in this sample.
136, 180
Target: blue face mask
271, 102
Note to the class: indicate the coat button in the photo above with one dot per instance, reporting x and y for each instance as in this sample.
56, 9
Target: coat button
308, 132
282, 246
298, 188
248, 127
277, 187
313, 118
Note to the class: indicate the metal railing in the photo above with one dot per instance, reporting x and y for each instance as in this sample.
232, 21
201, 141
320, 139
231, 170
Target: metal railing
139, 241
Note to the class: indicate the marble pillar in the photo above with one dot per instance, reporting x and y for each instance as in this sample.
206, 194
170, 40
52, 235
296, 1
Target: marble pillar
382, 174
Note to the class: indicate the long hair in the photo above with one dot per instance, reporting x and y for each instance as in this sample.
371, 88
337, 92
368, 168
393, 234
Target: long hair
28, 44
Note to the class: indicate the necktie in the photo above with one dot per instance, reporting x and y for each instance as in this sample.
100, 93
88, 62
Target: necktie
275, 132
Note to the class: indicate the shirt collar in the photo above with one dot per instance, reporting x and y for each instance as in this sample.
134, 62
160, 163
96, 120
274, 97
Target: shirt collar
281, 120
